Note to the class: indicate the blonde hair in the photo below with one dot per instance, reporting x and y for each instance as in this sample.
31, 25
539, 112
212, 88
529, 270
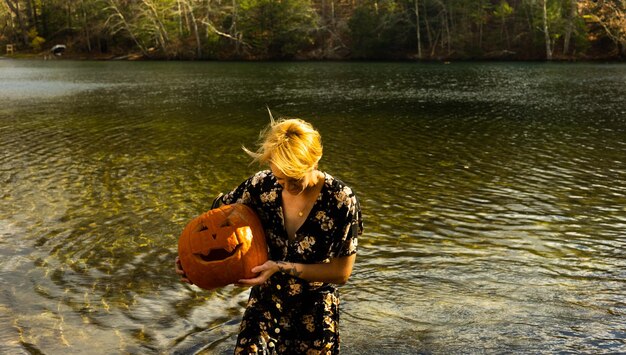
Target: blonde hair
292, 145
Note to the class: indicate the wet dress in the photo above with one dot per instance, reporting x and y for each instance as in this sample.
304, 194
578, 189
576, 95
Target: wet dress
286, 314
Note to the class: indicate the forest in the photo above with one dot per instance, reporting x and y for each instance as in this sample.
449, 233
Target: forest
317, 29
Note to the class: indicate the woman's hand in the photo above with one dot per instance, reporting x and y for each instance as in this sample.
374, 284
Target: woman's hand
336, 271
265, 270
179, 270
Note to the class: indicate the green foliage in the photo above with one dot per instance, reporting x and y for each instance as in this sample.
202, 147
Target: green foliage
378, 31
35, 40
279, 28
503, 10
266, 29
478, 12
557, 18
580, 36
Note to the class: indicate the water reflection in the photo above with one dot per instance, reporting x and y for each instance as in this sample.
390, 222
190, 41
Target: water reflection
494, 198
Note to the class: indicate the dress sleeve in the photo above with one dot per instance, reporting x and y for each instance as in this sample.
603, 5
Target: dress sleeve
352, 228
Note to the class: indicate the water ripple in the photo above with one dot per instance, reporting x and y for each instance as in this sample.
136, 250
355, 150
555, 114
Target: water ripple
493, 197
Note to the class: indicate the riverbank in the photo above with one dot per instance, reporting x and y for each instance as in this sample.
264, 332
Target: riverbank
140, 57
501, 55
74, 56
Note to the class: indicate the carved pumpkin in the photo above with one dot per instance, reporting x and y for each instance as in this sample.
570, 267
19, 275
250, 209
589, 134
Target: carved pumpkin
221, 246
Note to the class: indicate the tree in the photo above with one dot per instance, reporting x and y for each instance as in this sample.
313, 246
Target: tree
186, 8
14, 8
611, 16
119, 21
545, 30
381, 30
570, 25
417, 29
502, 12
277, 28
262, 29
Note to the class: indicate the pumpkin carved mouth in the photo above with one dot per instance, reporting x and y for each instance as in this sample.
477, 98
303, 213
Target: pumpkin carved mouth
218, 254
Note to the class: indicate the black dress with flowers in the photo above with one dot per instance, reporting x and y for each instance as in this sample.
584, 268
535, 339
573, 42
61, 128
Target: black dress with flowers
286, 314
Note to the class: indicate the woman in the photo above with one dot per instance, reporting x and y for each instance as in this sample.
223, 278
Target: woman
311, 222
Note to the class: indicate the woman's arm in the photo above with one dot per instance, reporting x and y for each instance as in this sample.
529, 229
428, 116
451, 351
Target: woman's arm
337, 271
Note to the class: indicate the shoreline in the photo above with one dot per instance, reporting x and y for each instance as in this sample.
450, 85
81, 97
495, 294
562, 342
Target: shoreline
140, 57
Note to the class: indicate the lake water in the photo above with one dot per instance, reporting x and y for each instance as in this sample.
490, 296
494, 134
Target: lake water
494, 199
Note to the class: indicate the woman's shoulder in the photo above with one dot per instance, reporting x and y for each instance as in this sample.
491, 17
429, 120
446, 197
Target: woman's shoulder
261, 178
251, 188
340, 191
336, 185
263, 174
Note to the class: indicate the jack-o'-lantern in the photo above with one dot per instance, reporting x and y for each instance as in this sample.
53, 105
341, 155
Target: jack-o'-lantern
222, 245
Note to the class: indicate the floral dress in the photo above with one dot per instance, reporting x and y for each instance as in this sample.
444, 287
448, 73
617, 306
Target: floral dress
286, 314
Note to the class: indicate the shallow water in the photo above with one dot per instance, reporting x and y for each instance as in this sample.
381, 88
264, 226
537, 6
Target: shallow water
494, 198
